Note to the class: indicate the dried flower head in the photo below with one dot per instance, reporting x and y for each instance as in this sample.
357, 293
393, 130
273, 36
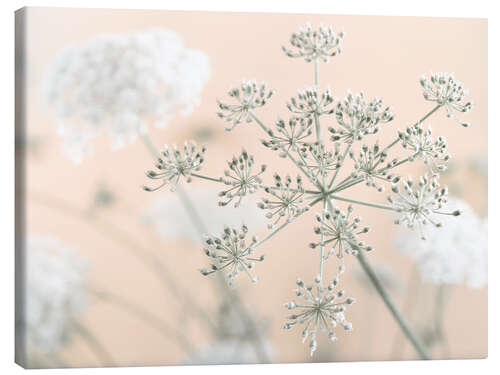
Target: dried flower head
286, 200
241, 177
338, 232
446, 91
417, 204
358, 118
368, 166
319, 161
290, 136
312, 44
421, 142
231, 254
321, 309
310, 103
249, 97
174, 164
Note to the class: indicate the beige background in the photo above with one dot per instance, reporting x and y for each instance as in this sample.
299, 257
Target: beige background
383, 56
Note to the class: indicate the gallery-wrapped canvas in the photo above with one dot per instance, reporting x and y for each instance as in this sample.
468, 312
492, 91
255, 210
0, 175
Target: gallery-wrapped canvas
199, 188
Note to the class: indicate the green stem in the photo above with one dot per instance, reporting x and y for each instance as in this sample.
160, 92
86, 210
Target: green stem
396, 313
375, 205
206, 177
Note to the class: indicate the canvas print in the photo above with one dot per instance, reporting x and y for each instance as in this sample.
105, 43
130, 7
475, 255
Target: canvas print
199, 188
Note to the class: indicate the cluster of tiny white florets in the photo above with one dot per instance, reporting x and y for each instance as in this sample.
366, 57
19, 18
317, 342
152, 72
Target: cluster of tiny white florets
340, 234
454, 254
174, 164
231, 253
249, 96
55, 293
285, 200
310, 44
118, 83
421, 142
446, 91
318, 164
321, 309
418, 203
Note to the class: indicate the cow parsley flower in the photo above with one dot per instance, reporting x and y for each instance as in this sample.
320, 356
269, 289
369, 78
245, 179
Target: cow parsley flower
339, 233
368, 166
174, 164
319, 161
320, 309
118, 83
168, 226
286, 200
446, 91
55, 293
291, 135
358, 118
241, 177
249, 97
455, 254
231, 253
315, 44
421, 142
418, 204
310, 103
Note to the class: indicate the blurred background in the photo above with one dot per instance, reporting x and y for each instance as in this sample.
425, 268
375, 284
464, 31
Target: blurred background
136, 296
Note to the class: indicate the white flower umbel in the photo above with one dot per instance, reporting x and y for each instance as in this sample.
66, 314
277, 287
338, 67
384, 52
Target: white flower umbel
119, 83
419, 203
231, 253
310, 44
55, 293
446, 91
453, 255
319, 162
174, 164
320, 309
249, 97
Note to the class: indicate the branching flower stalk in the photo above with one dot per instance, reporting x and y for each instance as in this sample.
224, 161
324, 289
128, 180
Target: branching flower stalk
319, 162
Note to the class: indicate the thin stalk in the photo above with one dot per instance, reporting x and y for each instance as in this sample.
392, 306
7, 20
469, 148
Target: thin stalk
147, 317
94, 344
341, 163
206, 177
202, 229
396, 313
375, 205
128, 243
261, 124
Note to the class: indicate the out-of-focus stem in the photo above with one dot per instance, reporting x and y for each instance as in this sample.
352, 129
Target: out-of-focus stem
94, 344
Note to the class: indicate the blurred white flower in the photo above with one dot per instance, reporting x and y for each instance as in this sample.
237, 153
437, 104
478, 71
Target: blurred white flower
167, 214
226, 352
454, 254
118, 83
55, 292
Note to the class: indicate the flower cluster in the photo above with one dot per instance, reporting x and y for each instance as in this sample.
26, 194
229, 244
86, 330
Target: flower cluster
241, 178
249, 97
358, 118
55, 293
315, 44
340, 234
310, 104
446, 91
174, 164
321, 309
323, 174
286, 200
454, 254
418, 204
424, 146
367, 166
231, 253
116, 83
